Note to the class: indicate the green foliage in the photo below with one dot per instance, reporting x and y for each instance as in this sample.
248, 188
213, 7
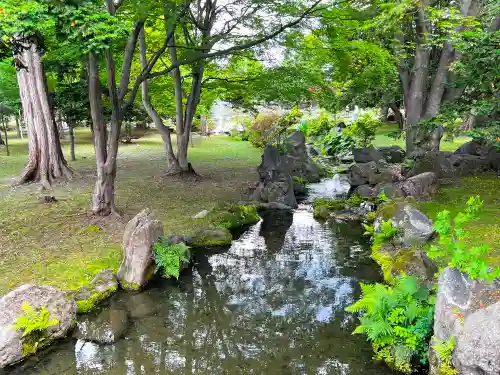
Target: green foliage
444, 351
397, 320
381, 198
452, 249
363, 130
34, 324
303, 127
489, 134
169, 257
237, 216
371, 216
320, 126
336, 144
300, 180
87, 305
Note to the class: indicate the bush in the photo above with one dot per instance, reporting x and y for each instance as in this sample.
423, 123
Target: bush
452, 248
397, 321
169, 257
363, 130
34, 324
320, 126
336, 144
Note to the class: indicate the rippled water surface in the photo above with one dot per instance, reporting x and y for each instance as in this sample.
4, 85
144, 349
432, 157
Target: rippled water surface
272, 303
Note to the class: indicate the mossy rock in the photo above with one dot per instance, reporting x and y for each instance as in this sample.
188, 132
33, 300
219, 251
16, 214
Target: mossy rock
233, 216
212, 237
388, 210
399, 262
95, 298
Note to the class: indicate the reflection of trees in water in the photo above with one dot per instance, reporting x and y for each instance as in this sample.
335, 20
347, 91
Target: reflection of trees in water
251, 310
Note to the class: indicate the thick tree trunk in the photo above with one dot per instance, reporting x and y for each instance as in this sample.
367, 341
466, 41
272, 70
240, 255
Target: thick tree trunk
72, 141
46, 162
173, 166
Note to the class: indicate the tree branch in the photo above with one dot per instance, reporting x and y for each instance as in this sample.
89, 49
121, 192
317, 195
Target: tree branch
127, 60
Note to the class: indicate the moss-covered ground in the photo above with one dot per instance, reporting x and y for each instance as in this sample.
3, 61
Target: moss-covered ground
60, 244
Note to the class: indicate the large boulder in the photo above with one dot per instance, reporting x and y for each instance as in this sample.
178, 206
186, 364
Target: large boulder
359, 174
391, 190
393, 154
299, 162
212, 237
366, 154
437, 162
493, 157
105, 328
466, 165
473, 147
374, 173
414, 227
477, 349
137, 265
421, 186
13, 347
458, 299
365, 191
276, 184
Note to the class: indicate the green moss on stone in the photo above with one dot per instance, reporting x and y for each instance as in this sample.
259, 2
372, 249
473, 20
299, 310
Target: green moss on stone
130, 286
212, 237
84, 306
233, 216
330, 204
371, 216
393, 262
300, 180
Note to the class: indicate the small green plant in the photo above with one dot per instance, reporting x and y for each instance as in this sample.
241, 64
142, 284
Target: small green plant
363, 130
397, 321
371, 216
382, 198
34, 324
169, 257
386, 233
444, 351
303, 127
452, 248
300, 180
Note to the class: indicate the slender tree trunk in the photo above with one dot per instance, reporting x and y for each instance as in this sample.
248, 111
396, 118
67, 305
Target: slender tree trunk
72, 140
18, 127
46, 162
103, 196
398, 116
6, 137
1, 140
172, 163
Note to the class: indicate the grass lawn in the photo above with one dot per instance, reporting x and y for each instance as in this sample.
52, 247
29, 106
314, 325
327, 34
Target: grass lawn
485, 230
382, 139
61, 245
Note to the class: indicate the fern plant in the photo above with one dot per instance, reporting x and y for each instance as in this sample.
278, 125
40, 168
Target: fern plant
452, 248
444, 351
34, 324
169, 257
397, 320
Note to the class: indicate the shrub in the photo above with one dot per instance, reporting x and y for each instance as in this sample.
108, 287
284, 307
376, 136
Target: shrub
169, 257
320, 126
452, 248
444, 351
34, 324
363, 130
397, 320
336, 144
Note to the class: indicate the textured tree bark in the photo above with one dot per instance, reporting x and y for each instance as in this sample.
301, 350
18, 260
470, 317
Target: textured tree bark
46, 162
18, 127
72, 141
398, 116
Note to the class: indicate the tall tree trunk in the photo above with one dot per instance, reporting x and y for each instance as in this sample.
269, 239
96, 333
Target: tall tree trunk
46, 162
172, 163
18, 127
1, 140
103, 196
398, 116
72, 140
6, 137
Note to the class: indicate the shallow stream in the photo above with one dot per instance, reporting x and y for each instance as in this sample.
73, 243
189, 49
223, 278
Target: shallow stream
272, 303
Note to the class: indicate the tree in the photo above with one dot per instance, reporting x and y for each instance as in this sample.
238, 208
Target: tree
22, 23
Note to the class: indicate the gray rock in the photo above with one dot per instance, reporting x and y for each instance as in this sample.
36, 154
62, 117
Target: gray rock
466, 165
137, 265
421, 186
472, 148
276, 184
201, 214
365, 191
393, 154
59, 304
106, 328
299, 162
366, 154
434, 161
273, 206
299, 189
493, 157
477, 351
359, 174
104, 281
391, 190
414, 227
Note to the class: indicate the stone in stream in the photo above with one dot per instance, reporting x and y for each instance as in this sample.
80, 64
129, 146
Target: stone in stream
276, 184
104, 281
137, 265
299, 162
212, 237
106, 328
414, 227
13, 347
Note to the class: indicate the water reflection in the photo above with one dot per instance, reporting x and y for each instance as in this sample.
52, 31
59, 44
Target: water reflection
271, 304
